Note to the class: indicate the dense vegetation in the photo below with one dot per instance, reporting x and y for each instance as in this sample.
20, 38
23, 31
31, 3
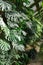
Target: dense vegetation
19, 32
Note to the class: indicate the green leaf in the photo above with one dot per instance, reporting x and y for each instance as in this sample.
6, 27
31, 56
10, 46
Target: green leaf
4, 45
42, 4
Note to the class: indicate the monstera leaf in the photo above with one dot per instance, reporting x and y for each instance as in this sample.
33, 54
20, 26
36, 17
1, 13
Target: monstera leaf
16, 36
4, 6
20, 27
4, 45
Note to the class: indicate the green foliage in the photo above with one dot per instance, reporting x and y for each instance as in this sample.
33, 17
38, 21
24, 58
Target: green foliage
18, 27
4, 45
42, 4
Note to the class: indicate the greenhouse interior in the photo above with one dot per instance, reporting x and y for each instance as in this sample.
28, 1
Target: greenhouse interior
21, 32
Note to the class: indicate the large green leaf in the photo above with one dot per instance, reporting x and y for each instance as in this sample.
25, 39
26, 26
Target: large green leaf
4, 45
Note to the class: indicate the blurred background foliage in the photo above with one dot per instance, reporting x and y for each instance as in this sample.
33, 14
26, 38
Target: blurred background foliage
21, 32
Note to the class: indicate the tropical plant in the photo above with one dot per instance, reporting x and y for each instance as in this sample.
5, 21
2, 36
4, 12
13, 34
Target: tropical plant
18, 28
